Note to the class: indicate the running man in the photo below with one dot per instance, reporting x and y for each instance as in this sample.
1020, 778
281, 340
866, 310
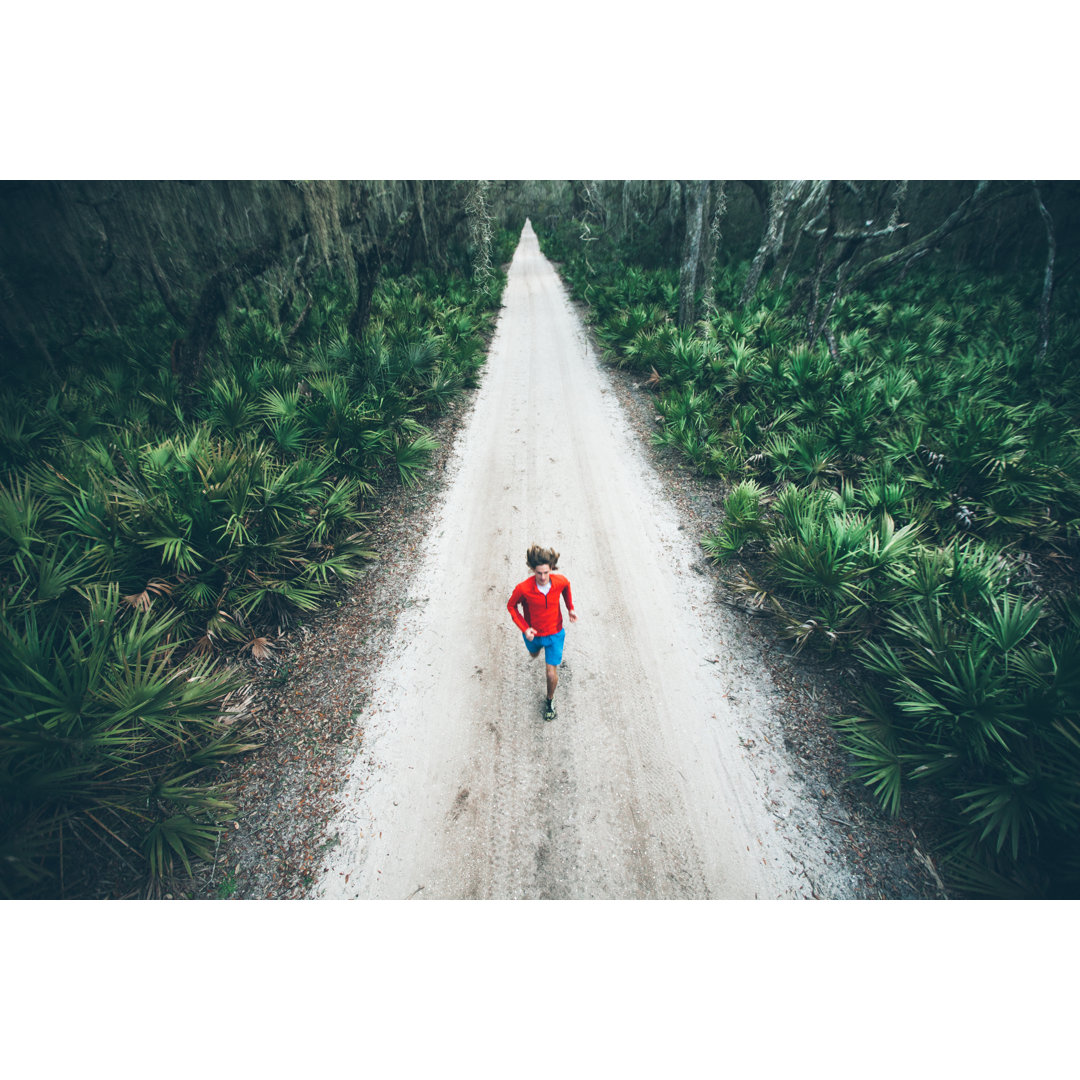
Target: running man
540, 617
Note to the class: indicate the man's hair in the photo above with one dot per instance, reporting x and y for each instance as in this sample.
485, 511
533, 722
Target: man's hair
537, 556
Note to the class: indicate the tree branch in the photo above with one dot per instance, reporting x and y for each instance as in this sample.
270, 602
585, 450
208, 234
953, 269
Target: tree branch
969, 210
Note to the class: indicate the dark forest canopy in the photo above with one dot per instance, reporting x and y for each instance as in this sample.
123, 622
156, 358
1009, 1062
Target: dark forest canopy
829, 236
78, 254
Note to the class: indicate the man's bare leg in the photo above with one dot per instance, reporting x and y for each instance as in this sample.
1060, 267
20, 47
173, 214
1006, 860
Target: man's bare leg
552, 680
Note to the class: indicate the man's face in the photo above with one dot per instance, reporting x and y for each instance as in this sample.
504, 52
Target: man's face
542, 573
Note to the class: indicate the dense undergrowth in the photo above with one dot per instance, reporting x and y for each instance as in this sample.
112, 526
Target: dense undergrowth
911, 499
151, 534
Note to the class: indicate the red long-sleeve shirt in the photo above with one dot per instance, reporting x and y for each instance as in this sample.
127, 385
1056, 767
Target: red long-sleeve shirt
542, 612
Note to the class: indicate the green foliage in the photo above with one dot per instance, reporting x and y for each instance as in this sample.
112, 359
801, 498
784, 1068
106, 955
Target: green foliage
148, 538
227, 887
743, 521
105, 734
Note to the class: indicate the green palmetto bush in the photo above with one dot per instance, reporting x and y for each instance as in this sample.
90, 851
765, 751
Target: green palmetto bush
230, 406
686, 427
147, 537
282, 415
20, 432
833, 560
104, 735
352, 433
649, 349
743, 521
620, 331
884, 491
973, 704
852, 424
412, 454
735, 373
804, 456
105, 740
241, 537
444, 387
687, 361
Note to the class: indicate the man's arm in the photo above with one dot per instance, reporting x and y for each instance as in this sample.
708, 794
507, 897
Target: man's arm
568, 600
512, 607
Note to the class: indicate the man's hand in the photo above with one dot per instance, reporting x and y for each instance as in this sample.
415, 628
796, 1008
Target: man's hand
530, 634
573, 615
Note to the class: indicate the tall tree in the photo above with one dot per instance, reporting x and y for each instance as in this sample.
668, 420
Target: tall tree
784, 196
1048, 275
696, 256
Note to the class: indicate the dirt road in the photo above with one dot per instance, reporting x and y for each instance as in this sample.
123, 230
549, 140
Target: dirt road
642, 787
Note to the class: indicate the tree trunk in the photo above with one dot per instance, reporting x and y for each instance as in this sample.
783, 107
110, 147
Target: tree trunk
161, 282
291, 333
784, 195
841, 272
822, 250
761, 189
367, 277
969, 209
419, 246
718, 201
212, 303
70, 234
1048, 277
15, 317
694, 249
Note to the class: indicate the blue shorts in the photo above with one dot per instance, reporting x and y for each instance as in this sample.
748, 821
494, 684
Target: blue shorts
552, 646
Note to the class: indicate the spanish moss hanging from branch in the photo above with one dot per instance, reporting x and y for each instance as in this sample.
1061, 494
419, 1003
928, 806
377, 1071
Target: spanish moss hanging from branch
479, 231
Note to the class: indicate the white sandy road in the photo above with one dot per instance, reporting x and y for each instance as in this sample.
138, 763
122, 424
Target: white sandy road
641, 788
